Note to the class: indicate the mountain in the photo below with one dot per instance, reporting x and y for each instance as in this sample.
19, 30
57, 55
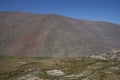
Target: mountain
27, 34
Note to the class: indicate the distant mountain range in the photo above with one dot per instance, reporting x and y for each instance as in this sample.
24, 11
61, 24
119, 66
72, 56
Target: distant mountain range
27, 34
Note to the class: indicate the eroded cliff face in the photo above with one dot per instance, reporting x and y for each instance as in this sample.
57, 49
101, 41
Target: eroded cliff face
26, 34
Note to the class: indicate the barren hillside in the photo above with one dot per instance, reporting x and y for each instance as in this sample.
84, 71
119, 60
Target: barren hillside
27, 34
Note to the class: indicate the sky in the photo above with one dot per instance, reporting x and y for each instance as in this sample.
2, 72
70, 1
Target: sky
96, 10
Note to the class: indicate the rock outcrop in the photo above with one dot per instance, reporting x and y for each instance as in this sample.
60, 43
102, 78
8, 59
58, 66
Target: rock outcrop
113, 55
55, 72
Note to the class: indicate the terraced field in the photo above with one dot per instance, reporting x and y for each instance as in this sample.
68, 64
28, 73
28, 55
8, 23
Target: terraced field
80, 68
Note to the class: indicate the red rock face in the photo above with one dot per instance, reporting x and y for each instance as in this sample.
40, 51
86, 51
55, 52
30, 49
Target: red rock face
26, 34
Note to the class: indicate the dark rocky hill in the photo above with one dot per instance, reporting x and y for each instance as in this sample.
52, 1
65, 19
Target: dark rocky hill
27, 34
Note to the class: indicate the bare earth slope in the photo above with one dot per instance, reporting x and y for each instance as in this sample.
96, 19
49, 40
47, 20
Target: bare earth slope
26, 34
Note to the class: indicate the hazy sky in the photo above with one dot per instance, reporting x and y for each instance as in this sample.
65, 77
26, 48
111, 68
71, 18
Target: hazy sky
100, 10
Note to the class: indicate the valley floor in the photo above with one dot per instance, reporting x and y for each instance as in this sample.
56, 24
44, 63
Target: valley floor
80, 68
